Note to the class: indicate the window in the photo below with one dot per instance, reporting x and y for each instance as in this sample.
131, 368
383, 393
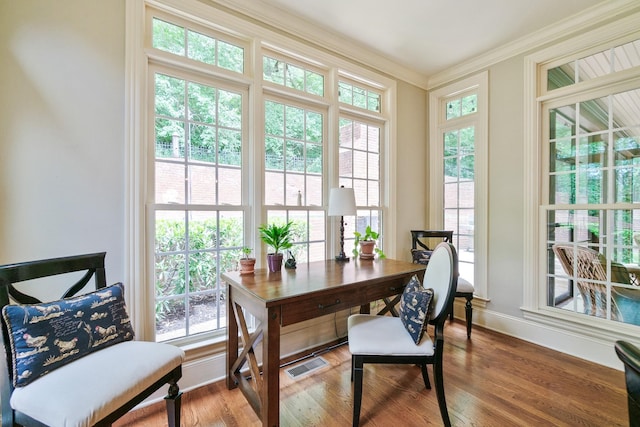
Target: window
228, 149
458, 171
593, 194
194, 45
198, 147
294, 144
359, 168
359, 96
601, 63
459, 184
198, 213
293, 76
589, 203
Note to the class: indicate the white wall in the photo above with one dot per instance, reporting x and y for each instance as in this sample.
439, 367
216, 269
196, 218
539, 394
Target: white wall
506, 148
61, 115
411, 169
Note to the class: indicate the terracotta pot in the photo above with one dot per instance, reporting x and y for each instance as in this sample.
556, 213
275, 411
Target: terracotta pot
247, 265
274, 262
366, 249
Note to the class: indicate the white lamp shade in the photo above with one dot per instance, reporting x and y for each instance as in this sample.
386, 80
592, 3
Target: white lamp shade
342, 201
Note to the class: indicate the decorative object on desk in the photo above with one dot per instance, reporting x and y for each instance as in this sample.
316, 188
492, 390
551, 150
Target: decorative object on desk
342, 201
366, 243
290, 263
247, 264
278, 237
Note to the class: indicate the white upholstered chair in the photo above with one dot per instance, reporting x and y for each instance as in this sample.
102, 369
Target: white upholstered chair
386, 339
73, 362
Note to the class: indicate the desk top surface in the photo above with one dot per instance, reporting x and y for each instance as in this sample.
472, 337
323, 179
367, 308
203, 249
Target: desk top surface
319, 276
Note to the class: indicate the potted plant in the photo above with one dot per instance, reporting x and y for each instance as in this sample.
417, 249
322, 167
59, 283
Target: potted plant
247, 264
279, 238
365, 244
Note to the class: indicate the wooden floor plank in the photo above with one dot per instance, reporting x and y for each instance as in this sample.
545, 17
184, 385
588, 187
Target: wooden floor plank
491, 380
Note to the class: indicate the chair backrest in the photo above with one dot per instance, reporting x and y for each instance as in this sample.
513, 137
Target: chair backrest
419, 238
442, 276
588, 269
92, 264
630, 356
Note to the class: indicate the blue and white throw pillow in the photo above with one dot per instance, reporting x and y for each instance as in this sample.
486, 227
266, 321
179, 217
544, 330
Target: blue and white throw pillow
46, 336
415, 308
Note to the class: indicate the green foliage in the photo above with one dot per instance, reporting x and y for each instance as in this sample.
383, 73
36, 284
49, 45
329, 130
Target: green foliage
207, 256
246, 251
215, 134
302, 146
368, 235
277, 236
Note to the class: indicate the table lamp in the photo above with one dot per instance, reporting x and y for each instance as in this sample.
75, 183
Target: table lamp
342, 201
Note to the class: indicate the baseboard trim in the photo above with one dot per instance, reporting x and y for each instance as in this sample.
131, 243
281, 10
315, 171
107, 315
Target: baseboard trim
591, 348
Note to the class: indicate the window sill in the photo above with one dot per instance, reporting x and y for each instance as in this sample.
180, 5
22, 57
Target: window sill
583, 325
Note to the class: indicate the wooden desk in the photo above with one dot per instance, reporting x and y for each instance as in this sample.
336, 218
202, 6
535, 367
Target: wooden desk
291, 296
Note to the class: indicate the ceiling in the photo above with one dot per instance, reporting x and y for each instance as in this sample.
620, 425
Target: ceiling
425, 36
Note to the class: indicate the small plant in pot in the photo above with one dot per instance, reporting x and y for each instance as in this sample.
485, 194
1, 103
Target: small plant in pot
279, 238
247, 264
364, 244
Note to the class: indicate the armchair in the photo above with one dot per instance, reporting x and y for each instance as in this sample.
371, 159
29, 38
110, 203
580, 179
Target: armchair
421, 252
590, 272
73, 362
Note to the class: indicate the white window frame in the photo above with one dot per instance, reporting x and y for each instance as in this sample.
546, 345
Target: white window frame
478, 84
138, 269
534, 237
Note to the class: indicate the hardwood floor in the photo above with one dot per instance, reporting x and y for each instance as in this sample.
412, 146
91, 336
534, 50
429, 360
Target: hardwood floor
491, 380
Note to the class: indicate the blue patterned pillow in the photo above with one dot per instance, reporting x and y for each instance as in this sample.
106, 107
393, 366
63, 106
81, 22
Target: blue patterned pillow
415, 308
47, 336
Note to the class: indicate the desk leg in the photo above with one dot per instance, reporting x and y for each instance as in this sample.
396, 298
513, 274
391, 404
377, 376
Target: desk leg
232, 339
271, 368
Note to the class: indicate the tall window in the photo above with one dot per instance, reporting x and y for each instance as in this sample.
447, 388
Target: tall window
198, 145
591, 193
458, 172
229, 149
359, 168
294, 146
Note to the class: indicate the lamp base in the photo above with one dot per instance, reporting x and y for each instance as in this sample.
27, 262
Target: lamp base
342, 258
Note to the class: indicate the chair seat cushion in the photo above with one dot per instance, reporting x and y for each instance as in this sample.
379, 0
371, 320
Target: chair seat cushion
464, 286
81, 393
384, 335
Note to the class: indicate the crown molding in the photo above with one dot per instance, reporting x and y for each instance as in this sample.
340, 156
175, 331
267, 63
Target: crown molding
309, 32
584, 21
286, 23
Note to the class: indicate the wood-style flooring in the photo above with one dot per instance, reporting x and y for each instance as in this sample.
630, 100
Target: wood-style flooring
490, 380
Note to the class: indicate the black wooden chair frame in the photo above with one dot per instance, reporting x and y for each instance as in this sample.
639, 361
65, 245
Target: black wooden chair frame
93, 264
447, 236
630, 356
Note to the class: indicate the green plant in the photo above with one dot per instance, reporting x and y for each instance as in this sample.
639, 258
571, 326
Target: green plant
369, 235
246, 250
277, 236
